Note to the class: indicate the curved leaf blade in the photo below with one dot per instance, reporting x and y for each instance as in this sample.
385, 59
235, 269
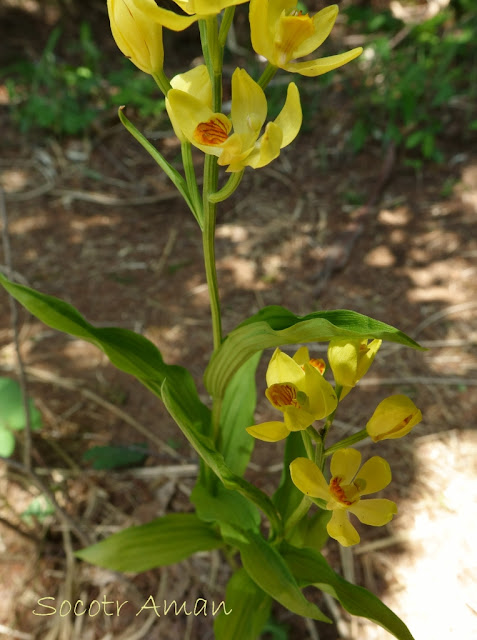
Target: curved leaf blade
238, 408
161, 542
225, 506
275, 326
171, 396
309, 567
127, 350
269, 571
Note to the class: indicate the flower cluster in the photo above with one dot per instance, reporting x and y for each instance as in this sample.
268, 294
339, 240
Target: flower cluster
296, 386
279, 33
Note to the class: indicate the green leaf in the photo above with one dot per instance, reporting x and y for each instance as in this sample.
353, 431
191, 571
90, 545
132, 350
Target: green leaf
203, 445
128, 351
315, 534
269, 571
12, 411
250, 609
287, 497
311, 531
226, 506
115, 457
158, 543
309, 567
237, 414
7, 443
275, 326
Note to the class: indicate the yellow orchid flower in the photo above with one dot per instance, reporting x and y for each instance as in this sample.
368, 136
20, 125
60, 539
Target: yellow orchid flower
297, 389
350, 360
137, 37
394, 417
281, 34
190, 108
344, 491
206, 7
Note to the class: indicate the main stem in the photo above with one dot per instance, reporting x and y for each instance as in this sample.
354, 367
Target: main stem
208, 243
213, 52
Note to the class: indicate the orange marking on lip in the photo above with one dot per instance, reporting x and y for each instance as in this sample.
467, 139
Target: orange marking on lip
283, 395
339, 492
319, 364
213, 132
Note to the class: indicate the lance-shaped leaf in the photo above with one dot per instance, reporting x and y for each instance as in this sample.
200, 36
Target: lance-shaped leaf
249, 608
128, 351
172, 398
309, 567
237, 413
225, 506
158, 543
269, 571
275, 326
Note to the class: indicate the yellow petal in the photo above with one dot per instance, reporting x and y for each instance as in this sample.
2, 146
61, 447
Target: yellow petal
343, 359
292, 32
290, 117
302, 356
344, 464
196, 82
264, 16
323, 23
137, 38
206, 7
394, 417
341, 529
249, 106
282, 368
366, 356
313, 68
166, 18
267, 148
375, 512
297, 419
307, 477
197, 122
350, 359
374, 475
269, 431
321, 394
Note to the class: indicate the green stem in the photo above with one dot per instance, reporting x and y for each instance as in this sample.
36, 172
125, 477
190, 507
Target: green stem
209, 35
308, 444
205, 47
347, 442
229, 187
169, 170
268, 73
299, 513
208, 239
319, 454
186, 149
162, 81
225, 25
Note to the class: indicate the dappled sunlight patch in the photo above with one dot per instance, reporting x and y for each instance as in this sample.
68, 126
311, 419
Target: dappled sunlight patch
380, 257
442, 557
397, 217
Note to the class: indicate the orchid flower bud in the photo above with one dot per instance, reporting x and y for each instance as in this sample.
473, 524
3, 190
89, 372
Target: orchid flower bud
394, 417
